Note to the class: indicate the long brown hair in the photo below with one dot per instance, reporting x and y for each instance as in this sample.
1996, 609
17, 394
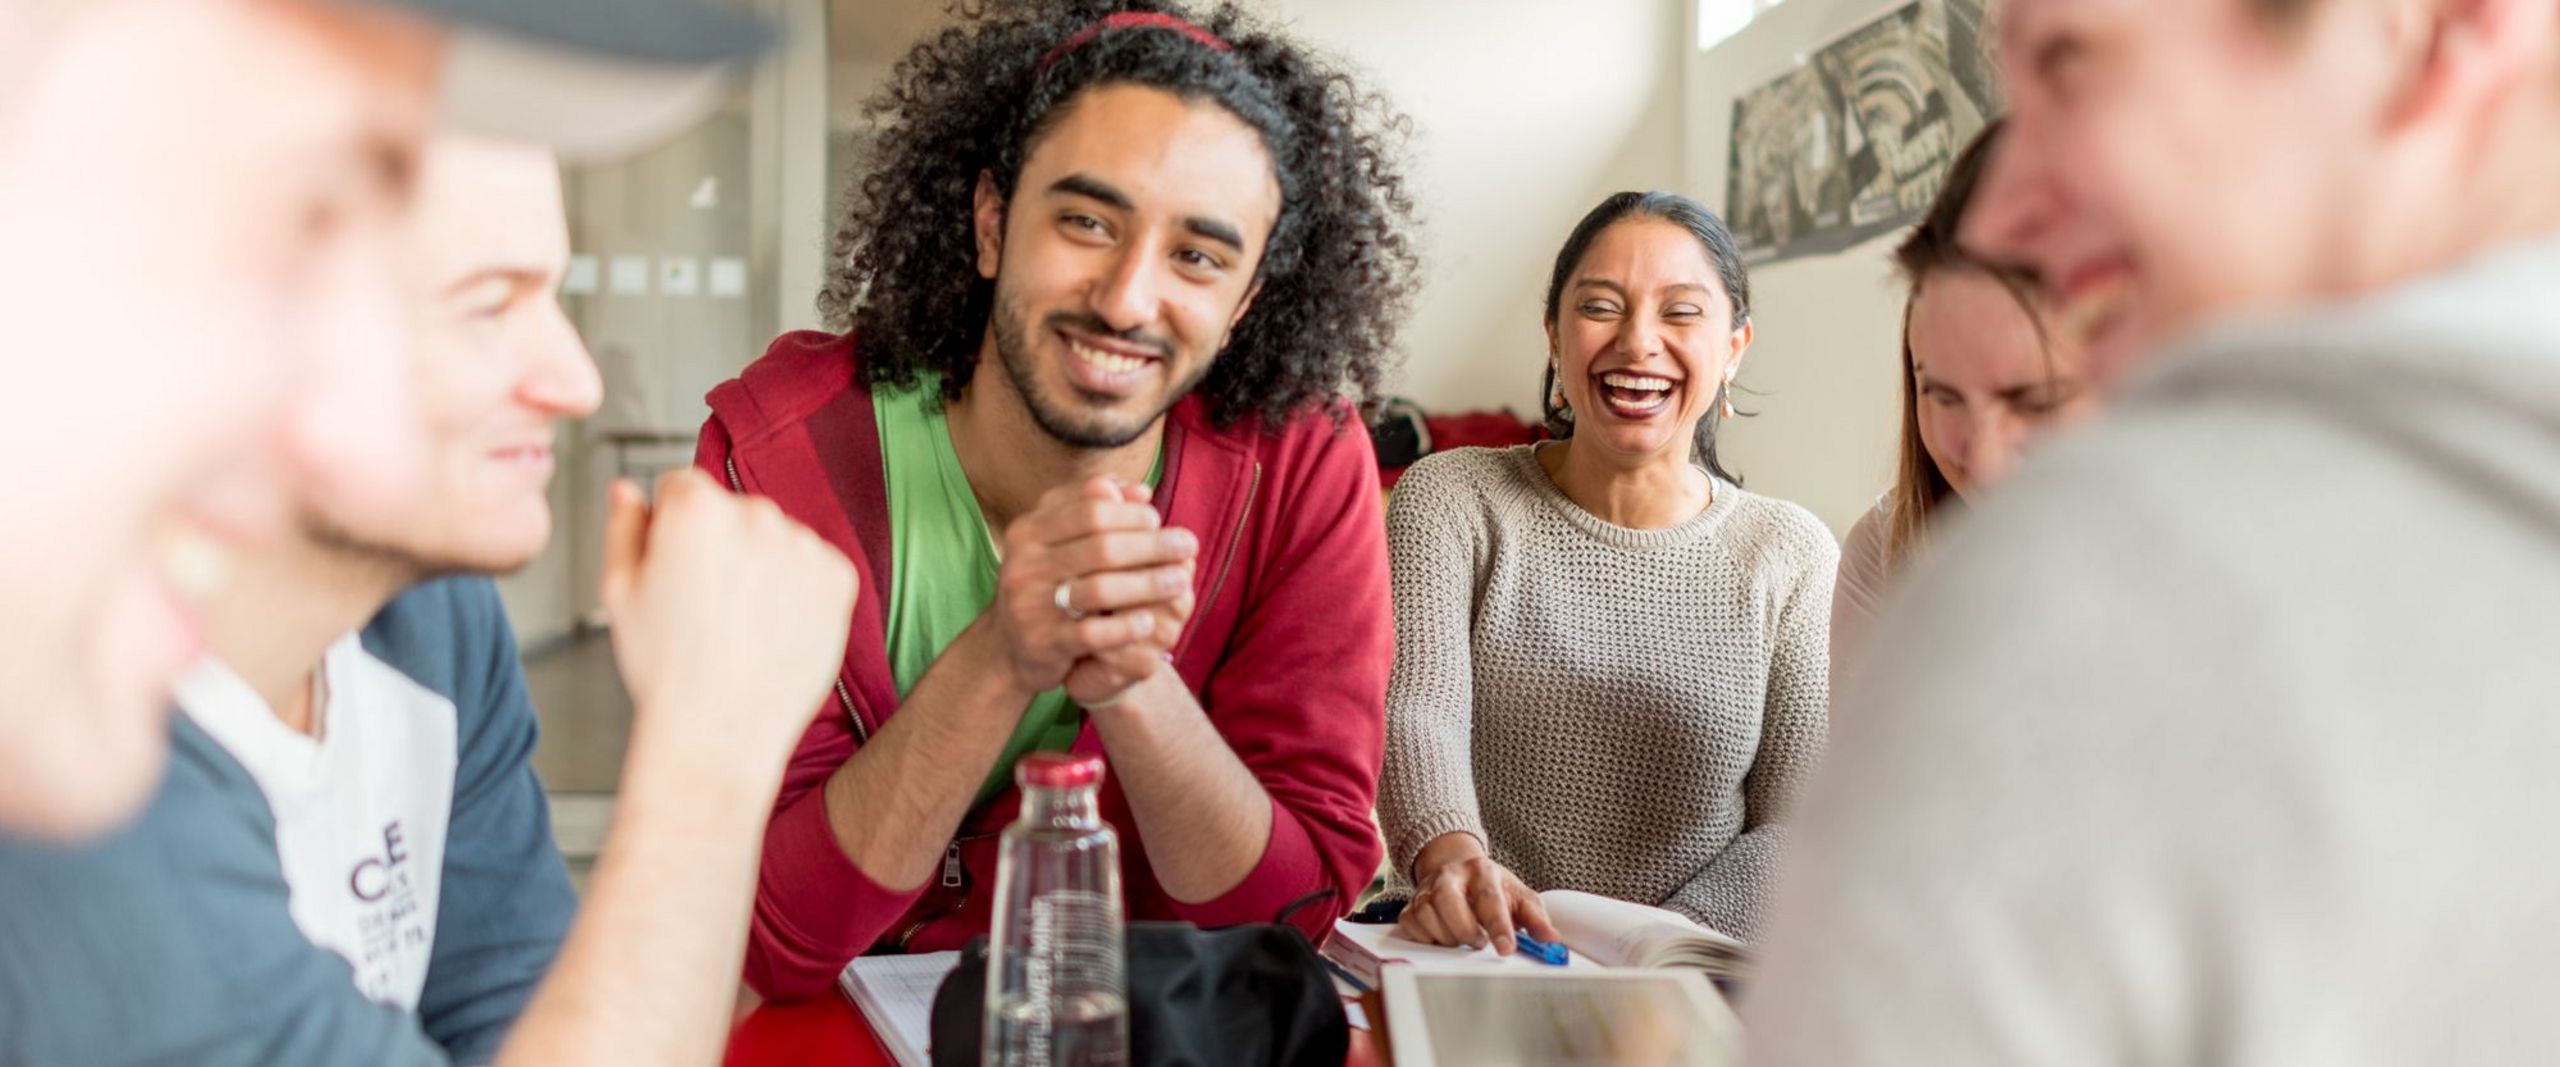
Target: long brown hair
1919, 488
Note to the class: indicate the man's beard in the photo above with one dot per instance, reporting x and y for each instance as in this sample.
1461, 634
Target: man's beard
1056, 418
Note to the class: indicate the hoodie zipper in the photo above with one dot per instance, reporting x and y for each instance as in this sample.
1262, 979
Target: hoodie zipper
861, 732
954, 884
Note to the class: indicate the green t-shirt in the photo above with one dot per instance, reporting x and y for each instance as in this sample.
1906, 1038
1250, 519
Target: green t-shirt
942, 564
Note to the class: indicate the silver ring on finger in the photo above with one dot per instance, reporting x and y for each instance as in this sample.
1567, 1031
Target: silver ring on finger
1060, 599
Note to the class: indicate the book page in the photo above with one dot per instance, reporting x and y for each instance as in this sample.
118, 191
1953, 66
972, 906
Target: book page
1362, 947
895, 994
1617, 933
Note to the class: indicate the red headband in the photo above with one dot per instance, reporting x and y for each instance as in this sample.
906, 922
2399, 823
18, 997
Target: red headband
1131, 20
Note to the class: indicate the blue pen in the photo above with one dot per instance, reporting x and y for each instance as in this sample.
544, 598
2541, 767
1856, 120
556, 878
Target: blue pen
1551, 953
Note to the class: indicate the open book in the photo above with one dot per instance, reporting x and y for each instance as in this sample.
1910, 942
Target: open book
1598, 931
1616, 933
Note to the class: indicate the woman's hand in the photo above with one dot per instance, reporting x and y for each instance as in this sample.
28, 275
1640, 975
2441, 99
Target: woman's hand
1462, 897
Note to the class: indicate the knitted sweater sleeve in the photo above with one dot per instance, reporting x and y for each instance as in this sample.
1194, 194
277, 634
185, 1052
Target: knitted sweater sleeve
1795, 721
1429, 785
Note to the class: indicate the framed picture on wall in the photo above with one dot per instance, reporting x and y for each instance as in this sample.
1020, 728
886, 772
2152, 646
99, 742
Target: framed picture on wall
1855, 140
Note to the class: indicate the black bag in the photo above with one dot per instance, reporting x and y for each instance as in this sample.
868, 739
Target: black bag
1246, 995
1400, 435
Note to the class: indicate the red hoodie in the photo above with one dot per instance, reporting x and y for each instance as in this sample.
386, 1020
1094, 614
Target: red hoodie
1288, 650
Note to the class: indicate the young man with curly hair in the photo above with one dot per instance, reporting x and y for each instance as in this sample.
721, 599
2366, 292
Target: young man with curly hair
1110, 294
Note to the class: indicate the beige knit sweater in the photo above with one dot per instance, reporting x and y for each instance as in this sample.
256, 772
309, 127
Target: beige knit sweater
1618, 711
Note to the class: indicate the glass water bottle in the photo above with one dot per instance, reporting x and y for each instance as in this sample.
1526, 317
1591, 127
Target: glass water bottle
1057, 995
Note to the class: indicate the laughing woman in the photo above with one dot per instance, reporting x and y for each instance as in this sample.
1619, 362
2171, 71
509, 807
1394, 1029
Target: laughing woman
1611, 661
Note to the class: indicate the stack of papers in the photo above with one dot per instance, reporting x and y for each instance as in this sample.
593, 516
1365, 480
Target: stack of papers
895, 994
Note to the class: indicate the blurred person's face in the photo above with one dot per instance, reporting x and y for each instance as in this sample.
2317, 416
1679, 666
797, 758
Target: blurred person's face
2170, 161
1985, 381
1125, 258
497, 365
198, 197
1642, 340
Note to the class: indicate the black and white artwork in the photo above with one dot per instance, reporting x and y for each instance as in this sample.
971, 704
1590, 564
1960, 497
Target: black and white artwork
1855, 140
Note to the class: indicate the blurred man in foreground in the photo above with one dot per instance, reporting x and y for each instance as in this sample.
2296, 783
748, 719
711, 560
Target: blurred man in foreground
358, 794
175, 939
2224, 735
181, 236
202, 303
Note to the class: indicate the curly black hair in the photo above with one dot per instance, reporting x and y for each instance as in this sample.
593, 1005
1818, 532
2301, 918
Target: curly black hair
1337, 275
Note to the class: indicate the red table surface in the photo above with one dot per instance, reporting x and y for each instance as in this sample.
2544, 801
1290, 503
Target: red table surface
830, 1032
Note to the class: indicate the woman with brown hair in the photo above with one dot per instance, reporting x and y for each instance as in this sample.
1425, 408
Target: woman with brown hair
1610, 670
1983, 373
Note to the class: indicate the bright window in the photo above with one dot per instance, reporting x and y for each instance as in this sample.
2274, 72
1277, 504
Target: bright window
1720, 19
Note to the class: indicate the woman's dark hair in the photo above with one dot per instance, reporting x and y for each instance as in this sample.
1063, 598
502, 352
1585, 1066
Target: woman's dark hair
1919, 487
1721, 249
1337, 274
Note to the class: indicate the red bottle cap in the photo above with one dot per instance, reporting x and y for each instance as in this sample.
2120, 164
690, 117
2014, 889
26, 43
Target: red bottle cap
1057, 770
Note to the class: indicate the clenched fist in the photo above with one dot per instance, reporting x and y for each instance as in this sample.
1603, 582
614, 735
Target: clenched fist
729, 618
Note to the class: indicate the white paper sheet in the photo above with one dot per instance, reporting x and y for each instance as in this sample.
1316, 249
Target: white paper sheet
896, 994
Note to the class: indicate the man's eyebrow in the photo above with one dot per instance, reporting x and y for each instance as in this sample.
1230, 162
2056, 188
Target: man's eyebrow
1218, 230
1092, 188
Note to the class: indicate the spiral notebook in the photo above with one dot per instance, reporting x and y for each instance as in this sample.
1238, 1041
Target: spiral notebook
895, 995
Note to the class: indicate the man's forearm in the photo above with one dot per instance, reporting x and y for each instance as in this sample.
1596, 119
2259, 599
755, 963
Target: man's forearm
649, 970
1205, 818
896, 804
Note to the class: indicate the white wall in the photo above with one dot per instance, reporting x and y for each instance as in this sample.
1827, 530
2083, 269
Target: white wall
789, 216
1526, 113
1827, 363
